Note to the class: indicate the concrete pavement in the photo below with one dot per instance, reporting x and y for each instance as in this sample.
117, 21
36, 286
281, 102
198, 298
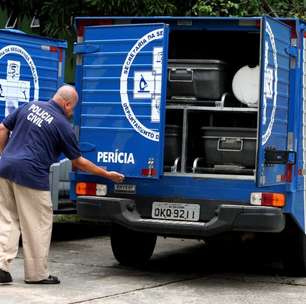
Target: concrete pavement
181, 271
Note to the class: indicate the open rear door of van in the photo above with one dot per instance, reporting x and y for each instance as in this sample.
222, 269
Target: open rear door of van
273, 142
121, 73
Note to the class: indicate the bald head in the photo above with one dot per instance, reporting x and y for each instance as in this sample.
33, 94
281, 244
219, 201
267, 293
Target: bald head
66, 93
66, 97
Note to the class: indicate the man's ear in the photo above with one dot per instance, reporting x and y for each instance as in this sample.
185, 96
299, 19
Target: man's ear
68, 104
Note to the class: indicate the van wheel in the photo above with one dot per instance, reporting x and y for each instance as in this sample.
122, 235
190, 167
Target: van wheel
294, 249
131, 248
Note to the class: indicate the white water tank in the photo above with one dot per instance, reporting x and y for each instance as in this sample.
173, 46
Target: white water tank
245, 85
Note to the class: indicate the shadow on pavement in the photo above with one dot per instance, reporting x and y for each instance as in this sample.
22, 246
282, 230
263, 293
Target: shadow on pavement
78, 230
257, 257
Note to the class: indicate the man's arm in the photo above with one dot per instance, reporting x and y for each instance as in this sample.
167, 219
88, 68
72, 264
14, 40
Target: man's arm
4, 135
86, 165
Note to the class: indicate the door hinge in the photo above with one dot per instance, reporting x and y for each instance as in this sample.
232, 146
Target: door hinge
292, 51
85, 48
274, 157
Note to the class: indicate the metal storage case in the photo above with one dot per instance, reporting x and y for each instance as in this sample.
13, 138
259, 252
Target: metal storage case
173, 143
223, 146
197, 79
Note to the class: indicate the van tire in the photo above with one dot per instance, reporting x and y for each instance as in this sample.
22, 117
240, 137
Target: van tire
132, 248
294, 249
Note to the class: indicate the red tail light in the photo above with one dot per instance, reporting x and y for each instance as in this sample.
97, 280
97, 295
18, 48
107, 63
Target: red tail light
268, 199
84, 188
148, 172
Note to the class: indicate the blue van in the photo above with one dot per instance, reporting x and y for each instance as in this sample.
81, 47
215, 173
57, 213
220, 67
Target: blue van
31, 69
206, 119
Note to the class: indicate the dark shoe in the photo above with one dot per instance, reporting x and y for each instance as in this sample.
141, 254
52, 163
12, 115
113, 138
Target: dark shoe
50, 280
5, 277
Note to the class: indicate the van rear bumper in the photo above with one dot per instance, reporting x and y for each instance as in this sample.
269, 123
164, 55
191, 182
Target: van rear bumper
227, 218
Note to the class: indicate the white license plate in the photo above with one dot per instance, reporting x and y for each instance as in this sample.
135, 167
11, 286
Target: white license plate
125, 188
176, 211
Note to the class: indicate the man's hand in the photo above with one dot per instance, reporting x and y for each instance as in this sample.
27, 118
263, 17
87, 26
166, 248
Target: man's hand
86, 165
116, 177
4, 135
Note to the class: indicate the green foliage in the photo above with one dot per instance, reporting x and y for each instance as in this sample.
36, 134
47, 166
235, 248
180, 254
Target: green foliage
281, 8
292, 8
217, 8
56, 16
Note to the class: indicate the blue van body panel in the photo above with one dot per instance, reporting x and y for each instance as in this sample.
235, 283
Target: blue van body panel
120, 74
31, 68
184, 187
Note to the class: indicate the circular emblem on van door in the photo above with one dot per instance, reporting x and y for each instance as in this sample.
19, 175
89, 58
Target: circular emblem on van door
16, 86
146, 85
270, 86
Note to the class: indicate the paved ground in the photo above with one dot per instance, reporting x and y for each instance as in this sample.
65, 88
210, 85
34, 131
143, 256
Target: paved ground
181, 271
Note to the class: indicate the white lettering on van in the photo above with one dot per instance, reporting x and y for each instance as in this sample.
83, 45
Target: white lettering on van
154, 93
270, 86
115, 157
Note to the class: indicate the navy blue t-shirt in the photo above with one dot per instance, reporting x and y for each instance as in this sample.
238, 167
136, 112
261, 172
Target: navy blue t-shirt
40, 133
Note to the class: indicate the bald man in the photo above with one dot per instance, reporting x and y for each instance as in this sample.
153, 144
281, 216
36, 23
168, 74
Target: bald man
31, 139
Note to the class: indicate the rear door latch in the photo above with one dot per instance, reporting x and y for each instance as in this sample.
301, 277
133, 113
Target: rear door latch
273, 157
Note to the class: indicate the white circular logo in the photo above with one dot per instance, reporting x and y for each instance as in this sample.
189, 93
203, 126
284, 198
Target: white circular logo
138, 46
13, 69
270, 85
